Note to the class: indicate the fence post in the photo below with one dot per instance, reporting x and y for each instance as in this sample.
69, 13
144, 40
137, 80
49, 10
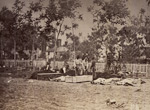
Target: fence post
146, 70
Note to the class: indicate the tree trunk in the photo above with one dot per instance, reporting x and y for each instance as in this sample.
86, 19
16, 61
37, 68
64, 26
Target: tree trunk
1, 48
56, 39
55, 50
33, 49
14, 52
32, 56
44, 49
106, 65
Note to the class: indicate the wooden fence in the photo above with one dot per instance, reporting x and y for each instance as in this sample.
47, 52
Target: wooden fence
134, 68
25, 63
143, 69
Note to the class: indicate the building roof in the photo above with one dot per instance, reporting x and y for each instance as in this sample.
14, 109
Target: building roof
62, 49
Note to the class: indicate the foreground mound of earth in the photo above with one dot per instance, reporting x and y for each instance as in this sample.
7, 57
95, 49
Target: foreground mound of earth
24, 94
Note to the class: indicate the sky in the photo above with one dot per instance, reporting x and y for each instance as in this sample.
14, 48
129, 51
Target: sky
86, 25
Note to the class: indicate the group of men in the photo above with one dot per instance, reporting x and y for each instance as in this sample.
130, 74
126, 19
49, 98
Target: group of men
82, 65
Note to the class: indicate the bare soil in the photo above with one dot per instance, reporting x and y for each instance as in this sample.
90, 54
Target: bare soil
24, 94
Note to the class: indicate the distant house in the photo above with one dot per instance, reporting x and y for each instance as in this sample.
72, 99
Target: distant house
60, 51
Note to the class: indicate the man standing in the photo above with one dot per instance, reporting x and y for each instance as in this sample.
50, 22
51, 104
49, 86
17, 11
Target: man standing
78, 66
93, 68
85, 65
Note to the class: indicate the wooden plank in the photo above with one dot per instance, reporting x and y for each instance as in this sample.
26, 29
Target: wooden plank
69, 79
47, 74
84, 78
77, 79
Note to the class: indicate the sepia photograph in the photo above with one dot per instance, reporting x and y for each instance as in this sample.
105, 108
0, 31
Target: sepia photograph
74, 54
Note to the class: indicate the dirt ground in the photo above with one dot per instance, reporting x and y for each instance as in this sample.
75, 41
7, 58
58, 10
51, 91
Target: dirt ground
23, 94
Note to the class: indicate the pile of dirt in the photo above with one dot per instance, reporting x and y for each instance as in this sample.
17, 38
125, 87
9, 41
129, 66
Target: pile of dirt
21, 94
34, 74
107, 75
